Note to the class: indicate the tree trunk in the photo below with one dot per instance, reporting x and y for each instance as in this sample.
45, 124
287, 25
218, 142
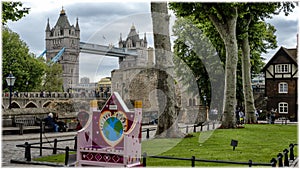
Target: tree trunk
247, 88
167, 119
228, 35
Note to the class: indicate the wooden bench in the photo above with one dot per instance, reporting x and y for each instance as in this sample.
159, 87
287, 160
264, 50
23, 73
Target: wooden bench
25, 123
22, 123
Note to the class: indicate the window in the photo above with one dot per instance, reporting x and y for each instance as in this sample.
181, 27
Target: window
283, 107
282, 87
282, 68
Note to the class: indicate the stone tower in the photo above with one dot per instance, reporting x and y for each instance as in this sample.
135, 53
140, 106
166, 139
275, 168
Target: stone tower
64, 35
133, 40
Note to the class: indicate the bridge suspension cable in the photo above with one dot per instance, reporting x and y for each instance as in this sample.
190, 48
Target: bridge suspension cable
42, 54
57, 57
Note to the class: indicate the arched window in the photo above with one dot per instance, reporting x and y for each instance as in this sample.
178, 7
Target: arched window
283, 107
283, 87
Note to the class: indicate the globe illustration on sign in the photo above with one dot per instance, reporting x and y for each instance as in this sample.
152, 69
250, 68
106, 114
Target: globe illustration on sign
112, 129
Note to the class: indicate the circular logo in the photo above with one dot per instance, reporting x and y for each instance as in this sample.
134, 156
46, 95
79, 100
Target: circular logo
112, 129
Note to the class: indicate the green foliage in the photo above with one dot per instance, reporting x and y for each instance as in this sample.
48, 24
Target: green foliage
53, 81
261, 35
13, 11
17, 59
193, 49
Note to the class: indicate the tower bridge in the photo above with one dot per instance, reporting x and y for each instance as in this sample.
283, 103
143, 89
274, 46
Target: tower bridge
63, 45
91, 48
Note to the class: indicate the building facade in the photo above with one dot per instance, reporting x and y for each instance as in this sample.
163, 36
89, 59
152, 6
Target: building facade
281, 76
64, 37
137, 78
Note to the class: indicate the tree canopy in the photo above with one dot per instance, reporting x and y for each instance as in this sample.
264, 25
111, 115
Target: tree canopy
227, 25
13, 11
23, 64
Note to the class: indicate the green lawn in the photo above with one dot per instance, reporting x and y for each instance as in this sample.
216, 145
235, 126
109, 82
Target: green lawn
259, 143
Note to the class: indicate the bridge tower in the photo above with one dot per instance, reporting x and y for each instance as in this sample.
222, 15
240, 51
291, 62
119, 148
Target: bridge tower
64, 35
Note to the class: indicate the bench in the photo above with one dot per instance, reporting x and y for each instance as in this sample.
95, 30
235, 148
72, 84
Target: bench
22, 123
25, 123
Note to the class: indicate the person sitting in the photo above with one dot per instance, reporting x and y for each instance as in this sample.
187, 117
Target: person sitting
50, 121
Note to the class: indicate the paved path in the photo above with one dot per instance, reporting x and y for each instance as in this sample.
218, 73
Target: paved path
10, 151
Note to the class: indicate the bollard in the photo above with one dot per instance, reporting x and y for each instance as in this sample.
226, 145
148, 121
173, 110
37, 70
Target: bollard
27, 151
292, 152
286, 158
193, 161
75, 144
201, 127
55, 146
195, 128
285, 121
250, 163
273, 162
207, 126
279, 157
187, 129
147, 134
41, 136
21, 128
67, 156
144, 159
213, 125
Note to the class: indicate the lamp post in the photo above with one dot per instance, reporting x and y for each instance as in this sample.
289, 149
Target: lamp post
204, 98
26, 88
10, 79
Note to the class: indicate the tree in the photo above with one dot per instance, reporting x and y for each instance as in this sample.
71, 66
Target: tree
249, 17
17, 59
260, 41
195, 49
224, 18
53, 81
167, 120
13, 11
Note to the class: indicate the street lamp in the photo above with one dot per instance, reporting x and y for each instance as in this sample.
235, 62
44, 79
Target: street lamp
26, 88
204, 98
10, 79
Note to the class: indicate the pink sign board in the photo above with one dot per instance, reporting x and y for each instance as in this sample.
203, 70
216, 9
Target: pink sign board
112, 136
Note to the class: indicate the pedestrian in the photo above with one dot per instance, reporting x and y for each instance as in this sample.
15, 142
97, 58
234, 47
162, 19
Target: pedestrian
241, 115
272, 116
51, 122
237, 116
256, 114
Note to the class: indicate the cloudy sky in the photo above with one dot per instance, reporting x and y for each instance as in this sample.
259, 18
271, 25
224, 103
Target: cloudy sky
103, 22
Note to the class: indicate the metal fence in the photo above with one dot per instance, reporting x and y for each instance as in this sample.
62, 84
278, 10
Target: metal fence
282, 160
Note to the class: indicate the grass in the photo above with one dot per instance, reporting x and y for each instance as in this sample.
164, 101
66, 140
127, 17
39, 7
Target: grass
260, 143
57, 158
